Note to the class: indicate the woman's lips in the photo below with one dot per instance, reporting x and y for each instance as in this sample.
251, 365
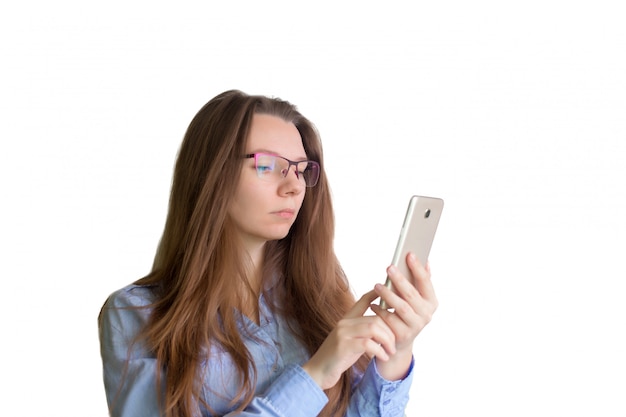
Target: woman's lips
285, 213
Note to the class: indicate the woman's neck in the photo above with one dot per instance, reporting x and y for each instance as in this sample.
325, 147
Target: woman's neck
255, 274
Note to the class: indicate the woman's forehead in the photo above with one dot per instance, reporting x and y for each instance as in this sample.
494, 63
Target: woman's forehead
272, 134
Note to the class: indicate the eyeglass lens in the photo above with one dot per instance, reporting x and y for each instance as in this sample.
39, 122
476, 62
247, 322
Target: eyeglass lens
273, 167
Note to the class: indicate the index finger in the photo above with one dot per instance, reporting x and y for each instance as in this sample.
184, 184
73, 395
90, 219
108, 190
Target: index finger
421, 274
361, 306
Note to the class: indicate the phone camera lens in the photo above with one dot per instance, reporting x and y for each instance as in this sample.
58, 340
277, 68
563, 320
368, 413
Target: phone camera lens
427, 213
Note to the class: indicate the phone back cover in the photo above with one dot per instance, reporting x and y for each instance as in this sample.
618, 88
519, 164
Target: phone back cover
418, 231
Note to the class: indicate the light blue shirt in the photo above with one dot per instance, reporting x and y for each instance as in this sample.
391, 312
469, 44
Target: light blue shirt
283, 388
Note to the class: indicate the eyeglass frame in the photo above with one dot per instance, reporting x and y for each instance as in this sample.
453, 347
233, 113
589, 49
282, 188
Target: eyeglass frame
290, 163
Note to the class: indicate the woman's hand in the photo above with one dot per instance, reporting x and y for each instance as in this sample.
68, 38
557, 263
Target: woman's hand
353, 336
413, 303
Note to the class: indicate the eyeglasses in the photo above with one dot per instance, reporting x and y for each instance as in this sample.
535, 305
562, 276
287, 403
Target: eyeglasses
273, 168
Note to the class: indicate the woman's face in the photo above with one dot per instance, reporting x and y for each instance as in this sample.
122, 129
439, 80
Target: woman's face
262, 209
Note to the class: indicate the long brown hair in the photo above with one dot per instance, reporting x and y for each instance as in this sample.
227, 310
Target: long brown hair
198, 257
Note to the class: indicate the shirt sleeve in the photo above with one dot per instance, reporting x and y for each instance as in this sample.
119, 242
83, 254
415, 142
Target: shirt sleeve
375, 396
292, 394
130, 371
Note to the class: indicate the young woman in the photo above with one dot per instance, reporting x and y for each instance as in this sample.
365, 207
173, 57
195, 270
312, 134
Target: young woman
247, 311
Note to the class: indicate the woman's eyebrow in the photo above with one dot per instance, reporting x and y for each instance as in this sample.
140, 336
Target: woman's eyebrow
268, 151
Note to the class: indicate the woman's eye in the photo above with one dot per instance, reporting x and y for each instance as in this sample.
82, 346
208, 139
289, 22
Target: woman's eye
264, 168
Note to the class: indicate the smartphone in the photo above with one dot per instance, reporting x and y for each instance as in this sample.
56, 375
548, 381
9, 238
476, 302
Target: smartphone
417, 233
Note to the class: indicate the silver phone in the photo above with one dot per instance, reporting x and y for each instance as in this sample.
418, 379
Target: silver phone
417, 234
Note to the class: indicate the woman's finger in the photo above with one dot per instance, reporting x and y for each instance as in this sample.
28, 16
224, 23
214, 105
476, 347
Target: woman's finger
361, 306
421, 275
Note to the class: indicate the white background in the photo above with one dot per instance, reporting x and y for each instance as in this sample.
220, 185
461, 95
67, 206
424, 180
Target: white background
513, 112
